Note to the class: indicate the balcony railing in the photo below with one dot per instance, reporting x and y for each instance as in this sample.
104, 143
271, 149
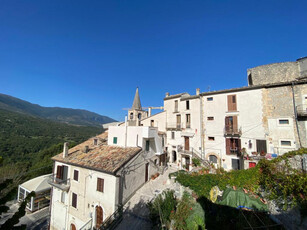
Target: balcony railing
232, 131
112, 221
63, 184
301, 110
174, 125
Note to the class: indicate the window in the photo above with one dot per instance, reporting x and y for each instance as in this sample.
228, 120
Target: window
232, 103
176, 106
235, 163
114, 140
283, 122
211, 138
173, 135
285, 143
188, 120
187, 103
209, 98
131, 116
76, 175
100, 184
63, 197
250, 144
210, 118
261, 146
152, 123
233, 146
231, 124
74, 200
213, 159
147, 145
139, 116
95, 141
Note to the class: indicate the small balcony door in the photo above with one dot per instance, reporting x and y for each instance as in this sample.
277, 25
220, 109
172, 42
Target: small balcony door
99, 217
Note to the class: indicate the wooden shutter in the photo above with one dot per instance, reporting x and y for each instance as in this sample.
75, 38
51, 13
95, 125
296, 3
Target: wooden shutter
228, 145
235, 123
100, 184
99, 217
59, 172
74, 200
239, 145
76, 175
232, 102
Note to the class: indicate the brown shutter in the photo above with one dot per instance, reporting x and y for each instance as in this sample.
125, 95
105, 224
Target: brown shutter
100, 184
234, 102
235, 123
239, 145
229, 97
228, 144
59, 172
74, 200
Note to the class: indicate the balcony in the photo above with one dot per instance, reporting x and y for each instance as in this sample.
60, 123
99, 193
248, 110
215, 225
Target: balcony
232, 131
301, 110
63, 184
173, 126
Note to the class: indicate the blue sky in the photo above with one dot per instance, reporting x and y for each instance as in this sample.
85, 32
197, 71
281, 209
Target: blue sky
92, 54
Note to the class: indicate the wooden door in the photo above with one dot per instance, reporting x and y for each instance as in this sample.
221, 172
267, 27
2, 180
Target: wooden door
186, 143
146, 171
252, 164
72, 227
99, 216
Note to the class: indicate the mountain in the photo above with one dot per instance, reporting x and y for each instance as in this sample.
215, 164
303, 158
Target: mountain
65, 115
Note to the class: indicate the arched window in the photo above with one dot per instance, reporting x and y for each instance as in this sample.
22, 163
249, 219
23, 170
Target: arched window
213, 159
139, 116
131, 116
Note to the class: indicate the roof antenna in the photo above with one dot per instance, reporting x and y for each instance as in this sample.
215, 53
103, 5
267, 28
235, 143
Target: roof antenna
209, 88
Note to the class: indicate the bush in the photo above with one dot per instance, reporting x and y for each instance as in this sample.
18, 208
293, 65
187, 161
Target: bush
196, 161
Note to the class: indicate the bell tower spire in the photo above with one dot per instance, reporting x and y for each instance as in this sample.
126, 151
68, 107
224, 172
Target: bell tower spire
137, 102
136, 113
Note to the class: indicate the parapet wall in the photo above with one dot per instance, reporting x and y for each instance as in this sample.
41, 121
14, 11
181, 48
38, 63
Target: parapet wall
273, 73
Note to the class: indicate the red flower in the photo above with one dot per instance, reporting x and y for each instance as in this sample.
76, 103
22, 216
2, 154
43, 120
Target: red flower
191, 208
172, 211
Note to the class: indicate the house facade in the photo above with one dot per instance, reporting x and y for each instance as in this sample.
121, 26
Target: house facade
92, 180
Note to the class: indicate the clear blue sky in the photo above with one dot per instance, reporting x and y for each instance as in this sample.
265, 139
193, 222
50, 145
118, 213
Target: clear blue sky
93, 54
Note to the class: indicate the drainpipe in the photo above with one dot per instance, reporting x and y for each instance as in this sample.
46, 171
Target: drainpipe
126, 131
201, 127
295, 115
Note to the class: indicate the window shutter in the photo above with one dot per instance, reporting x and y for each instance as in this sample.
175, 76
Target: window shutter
239, 145
100, 184
234, 103
59, 172
76, 175
74, 200
235, 123
228, 144
229, 97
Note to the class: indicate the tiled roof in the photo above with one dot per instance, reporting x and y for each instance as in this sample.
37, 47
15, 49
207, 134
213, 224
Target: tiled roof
99, 157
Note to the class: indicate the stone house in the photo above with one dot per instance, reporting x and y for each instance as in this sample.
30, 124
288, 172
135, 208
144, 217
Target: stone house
91, 180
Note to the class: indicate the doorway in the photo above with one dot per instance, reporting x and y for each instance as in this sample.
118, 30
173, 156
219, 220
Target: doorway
99, 217
72, 227
186, 143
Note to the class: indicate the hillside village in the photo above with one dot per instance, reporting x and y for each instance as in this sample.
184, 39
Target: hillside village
230, 129
201, 145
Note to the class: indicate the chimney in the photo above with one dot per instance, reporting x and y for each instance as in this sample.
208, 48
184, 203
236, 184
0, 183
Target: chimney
149, 111
167, 94
85, 150
95, 141
197, 91
65, 150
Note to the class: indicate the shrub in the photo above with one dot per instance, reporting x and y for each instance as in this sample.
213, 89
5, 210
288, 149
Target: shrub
196, 161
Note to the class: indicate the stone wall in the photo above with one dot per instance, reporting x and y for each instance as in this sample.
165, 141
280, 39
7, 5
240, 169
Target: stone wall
273, 73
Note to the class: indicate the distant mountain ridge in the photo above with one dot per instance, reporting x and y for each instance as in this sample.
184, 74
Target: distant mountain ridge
65, 115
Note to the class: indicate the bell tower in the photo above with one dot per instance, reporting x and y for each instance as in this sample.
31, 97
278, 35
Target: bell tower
136, 113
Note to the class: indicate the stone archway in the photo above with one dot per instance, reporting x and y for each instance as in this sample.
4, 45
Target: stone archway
213, 156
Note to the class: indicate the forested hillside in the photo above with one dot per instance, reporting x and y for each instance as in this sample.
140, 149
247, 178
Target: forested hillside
27, 143
65, 115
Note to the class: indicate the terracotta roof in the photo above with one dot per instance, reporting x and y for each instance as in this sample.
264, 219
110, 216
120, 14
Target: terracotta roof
99, 157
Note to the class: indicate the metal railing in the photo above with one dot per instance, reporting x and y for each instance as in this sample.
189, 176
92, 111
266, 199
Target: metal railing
63, 184
174, 125
87, 225
112, 221
232, 130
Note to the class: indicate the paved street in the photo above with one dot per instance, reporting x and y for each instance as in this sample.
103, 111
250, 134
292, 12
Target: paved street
136, 214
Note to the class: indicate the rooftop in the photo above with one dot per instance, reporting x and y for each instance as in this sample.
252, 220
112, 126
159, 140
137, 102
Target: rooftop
99, 157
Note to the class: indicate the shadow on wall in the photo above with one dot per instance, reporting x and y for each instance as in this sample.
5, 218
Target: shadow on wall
225, 217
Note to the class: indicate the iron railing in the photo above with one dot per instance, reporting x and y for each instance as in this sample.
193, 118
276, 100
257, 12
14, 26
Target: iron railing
62, 184
112, 221
232, 130
174, 125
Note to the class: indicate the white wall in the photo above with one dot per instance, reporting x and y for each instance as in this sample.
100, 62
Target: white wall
249, 112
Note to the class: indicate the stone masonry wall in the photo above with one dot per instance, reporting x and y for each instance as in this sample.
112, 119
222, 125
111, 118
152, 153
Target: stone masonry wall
300, 91
274, 73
